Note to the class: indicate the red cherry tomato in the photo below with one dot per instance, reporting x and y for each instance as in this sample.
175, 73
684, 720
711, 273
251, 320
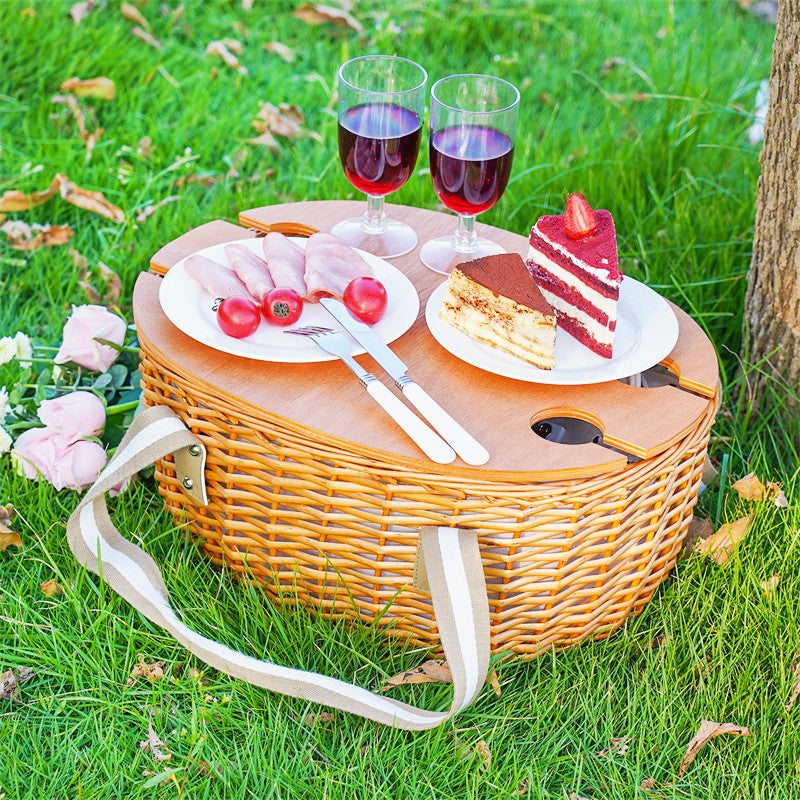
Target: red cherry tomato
238, 317
366, 299
282, 306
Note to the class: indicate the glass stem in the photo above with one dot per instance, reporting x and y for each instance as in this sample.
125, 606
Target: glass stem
465, 240
374, 219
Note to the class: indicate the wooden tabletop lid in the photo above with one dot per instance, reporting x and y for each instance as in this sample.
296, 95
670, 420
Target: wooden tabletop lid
498, 411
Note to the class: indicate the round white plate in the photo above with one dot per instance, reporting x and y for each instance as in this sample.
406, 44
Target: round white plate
647, 330
190, 309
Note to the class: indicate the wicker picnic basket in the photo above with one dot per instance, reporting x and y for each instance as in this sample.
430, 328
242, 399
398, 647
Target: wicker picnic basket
336, 528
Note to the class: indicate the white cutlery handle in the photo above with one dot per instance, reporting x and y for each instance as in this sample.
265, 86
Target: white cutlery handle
432, 445
468, 448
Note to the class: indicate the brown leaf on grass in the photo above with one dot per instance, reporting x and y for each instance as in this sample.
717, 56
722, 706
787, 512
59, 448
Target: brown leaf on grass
314, 14
647, 784
113, 285
700, 529
482, 749
203, 179
22, 236
749, 487
619, 746
8, 537
145, 147
102, 88
432, 671
610, 64
721, 545
284, 120
51, 588
14, 200
707, 731
80, 10
323, 716
219, 48
10, 681
71, 102
141, 33
152, 672
88, 200
266, 139
130, 12
522, 788
155, 745
770, 585
494, 682
280, 50
148, 211
776, 495
796, 685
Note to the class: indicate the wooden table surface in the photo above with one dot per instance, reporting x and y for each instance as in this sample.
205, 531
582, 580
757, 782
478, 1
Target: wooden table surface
498, 411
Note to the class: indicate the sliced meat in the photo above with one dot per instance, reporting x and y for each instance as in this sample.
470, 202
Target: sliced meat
330, 265
216, 279
286, 262
250, 269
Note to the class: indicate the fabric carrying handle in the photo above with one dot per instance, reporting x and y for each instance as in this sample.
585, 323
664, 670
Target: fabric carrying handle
451, 559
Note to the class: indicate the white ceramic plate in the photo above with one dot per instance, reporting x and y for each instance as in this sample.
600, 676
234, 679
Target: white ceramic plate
190, 309
647, 330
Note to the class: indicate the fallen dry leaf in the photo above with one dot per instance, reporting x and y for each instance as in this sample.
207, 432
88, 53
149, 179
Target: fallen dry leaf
219, 48
234, 45
284, 120
88, 200
770, 585
485, 753
796, 686
8, 537
699, 530
10, 681
721, 545
81, 10
432, 671
611, 63
280, 50
708, 730
145, 147
113, 285
148, 211
776, 495
749, 487
74, 106
152, 672
320, 15
14, 200
266, 139
522, 788
141, 33
51, 588
155, 745
619, 746
494, 682
102, 88
647, 784
323, 716
130, 12
22, 236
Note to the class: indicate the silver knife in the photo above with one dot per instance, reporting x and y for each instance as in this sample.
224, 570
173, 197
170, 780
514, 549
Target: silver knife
467, 447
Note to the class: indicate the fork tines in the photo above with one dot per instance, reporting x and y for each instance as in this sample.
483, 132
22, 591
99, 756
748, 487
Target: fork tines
310, 330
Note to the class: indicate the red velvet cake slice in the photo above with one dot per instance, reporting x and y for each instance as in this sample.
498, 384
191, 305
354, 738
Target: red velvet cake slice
573, 257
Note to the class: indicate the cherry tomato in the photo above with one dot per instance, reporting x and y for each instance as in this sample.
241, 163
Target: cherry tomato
282, 306
238, 316
366, 299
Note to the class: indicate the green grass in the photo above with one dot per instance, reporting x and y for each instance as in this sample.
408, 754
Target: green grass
660, 140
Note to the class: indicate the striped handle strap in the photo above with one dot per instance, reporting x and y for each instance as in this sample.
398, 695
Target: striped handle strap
451, 558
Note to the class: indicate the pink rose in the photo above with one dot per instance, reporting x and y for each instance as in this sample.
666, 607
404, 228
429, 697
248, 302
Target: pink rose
85, 325
73, 416
35, 451
78, 466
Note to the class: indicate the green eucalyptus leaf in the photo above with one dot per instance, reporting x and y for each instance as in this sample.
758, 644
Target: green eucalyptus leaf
103, 380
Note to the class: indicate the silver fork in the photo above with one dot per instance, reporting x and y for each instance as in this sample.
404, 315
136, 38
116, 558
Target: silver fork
337, 344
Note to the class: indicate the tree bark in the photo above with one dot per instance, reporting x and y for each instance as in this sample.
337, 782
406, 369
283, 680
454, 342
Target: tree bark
772, 306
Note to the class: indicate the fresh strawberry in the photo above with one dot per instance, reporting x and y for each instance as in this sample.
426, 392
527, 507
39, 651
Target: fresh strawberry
579, 219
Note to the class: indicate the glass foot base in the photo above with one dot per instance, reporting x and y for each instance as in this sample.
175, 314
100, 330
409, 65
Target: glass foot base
440, 256
396, 239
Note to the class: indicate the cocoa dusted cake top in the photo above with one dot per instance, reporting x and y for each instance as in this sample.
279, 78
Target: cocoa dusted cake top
506, 274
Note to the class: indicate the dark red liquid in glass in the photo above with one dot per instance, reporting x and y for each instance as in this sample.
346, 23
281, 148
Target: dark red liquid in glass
470, 167
378, 146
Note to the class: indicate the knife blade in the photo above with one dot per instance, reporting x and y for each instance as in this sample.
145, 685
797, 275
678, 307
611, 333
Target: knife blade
467, 447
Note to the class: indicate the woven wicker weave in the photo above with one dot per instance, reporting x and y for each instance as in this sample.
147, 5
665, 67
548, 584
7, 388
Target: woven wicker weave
335, 529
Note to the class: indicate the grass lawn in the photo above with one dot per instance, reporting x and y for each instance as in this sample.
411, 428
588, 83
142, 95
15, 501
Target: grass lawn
644, 107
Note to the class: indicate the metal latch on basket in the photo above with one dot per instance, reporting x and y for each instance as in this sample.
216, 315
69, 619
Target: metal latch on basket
190, 464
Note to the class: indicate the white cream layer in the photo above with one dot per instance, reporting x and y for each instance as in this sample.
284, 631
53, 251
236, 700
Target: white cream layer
606, 304
600, 274
597, 331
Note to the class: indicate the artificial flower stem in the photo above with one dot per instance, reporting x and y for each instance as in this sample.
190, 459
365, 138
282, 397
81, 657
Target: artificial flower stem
121, 408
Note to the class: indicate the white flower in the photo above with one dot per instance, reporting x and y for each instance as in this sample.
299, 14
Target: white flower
5, 440
5, 406
24, 349
8, 350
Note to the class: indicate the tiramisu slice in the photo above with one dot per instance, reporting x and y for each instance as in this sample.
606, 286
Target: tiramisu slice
496, 301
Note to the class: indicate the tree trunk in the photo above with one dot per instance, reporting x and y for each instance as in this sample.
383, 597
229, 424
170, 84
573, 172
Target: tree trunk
772, 306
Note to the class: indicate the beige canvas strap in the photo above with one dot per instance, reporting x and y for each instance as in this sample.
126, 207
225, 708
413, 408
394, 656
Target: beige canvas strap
451, 558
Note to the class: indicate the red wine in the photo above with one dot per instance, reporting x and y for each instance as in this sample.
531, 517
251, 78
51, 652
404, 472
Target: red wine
378, 146
470, 166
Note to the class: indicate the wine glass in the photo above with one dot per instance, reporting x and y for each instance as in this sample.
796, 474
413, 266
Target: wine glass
381, 103
473, 121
